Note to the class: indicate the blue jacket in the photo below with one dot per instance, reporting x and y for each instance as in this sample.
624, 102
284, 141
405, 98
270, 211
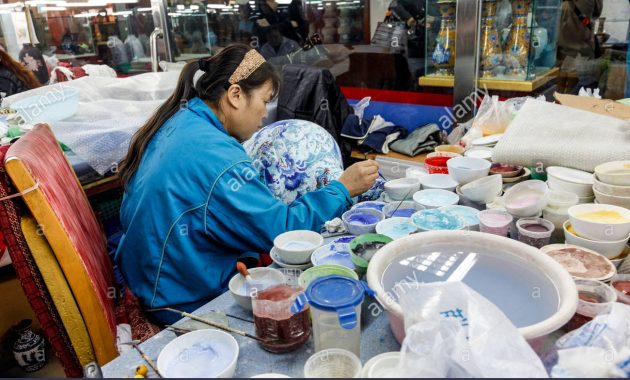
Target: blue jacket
195, 205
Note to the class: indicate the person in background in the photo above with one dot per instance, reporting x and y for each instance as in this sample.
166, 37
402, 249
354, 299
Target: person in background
14, 77
413, 14
576, 34
277, 45
32, 58
269, 14
194, 203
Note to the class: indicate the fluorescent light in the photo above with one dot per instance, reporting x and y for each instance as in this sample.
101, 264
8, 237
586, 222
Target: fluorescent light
194, 7
122, 13
144, 9
86, 14
40, 2
45, 9
181, 7
216, 6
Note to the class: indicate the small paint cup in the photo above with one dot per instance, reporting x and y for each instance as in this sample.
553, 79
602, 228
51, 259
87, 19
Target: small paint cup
595, 298
621, 284
495, 221
333, 362
534, 231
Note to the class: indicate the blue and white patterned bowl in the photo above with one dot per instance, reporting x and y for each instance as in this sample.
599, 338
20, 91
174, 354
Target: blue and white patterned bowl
333, 253
468, 214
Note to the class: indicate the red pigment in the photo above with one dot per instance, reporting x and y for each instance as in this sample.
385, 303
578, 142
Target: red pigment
533, 227
578, 320
288, 331
622, 286
504, 169
589, 297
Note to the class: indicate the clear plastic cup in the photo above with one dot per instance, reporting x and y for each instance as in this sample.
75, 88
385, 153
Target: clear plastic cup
621, 284
534, 231
595, 297
495, 221
333, 363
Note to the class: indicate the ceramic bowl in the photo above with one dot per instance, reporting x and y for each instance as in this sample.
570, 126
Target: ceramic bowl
435, 198
468, 169
278, 260
402, 209
263, 276
612, 199
556, 217
600, 230
270, 376
437, 219
450, 149
561, 200
614, 173
483, 190
376, 205
580, 262
296, 247
396, 227
415, 172
362, 250
526, 199
523, 175
438, 181
333, 253
482, 152
610, 249
210, 353
324, 270
469, 215
574, 181
506, 170
361, 221
399, 189
463, 200
619, 191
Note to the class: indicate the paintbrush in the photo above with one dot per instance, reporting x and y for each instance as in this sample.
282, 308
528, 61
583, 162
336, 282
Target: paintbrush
134, 343
400, 203
209, 323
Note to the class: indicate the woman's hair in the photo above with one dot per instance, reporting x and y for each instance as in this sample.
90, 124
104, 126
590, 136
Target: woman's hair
22, 73
210, 87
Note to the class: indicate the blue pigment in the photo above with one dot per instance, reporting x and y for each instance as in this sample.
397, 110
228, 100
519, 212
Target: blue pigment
374, 206
404, 212
364, 219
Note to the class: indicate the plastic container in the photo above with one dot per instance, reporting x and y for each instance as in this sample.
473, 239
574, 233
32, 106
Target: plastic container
437, 165
495, 221
282, 330
333, 363
381, 366
621, 285
534, 231
335, 311
594, 298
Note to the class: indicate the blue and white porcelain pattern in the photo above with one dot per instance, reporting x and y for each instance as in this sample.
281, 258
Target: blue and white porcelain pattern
294, 157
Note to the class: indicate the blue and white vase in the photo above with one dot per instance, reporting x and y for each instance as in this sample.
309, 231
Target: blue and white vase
29, 349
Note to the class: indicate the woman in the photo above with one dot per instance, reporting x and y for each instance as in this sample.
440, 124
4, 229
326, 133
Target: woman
194, 203
14, 78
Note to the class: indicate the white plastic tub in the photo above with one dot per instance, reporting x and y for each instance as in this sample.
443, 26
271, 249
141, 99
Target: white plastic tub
468, 241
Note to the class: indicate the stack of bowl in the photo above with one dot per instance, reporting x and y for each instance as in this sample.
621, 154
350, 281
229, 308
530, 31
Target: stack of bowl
611, 183
602, 228
557, 209
573, 181
293, 249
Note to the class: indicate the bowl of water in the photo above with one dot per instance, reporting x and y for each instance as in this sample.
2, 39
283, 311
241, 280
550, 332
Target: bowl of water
503, 270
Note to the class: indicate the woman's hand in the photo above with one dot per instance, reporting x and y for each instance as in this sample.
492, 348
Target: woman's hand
263, 23
360, 177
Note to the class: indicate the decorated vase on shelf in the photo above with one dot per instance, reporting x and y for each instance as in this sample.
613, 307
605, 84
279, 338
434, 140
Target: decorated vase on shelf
443, 56
491, 55
516, 50
29, 349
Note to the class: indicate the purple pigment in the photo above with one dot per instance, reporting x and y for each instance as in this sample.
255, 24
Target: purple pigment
364, 219
533, 227
404, 212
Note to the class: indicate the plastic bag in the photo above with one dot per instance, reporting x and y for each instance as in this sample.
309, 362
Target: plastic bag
600, 348
453, 331
360, 106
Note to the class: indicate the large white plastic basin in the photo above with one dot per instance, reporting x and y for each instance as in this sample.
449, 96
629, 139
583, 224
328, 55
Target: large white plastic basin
476, 241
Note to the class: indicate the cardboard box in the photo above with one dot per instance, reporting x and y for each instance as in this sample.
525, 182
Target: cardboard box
601, 106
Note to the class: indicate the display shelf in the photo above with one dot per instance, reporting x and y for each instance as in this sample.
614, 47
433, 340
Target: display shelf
496, 83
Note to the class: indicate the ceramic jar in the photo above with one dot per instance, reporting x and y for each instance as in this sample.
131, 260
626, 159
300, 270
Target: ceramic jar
444, 53
29, 349
491, 55
516, 51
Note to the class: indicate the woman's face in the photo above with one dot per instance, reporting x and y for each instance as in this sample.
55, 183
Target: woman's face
247, 112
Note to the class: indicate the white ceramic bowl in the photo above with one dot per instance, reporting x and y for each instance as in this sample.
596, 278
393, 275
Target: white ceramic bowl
403, 209
399, 189
471, 241
357, 229
612, 199
396, 227
296, 247
469, 215
435, 198
610, 249
526, 199
198, 364
556, 217
599, 231
483, 190
467, 169
482, 152
614, 173
415, 172
574, 181
619, 191
561, 200
264, 276
438, 181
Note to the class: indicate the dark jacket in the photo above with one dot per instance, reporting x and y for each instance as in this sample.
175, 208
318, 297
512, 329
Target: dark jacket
280, 18
574, 38
311, 93
10, 84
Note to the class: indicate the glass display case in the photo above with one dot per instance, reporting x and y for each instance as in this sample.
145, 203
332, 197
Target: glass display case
517, 43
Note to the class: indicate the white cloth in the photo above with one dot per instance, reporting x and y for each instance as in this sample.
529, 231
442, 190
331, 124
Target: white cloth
556, 135
99, 71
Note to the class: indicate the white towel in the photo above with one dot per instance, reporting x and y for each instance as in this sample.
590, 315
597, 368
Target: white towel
555, 135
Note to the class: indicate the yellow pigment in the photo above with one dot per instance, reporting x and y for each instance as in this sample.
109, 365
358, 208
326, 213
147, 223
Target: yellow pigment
603, 217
